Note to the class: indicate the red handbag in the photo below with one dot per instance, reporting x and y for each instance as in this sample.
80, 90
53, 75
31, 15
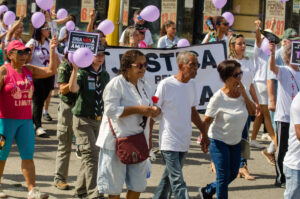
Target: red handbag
132, 149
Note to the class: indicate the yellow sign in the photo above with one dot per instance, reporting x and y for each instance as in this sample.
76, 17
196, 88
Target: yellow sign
86, 7
21, 8
275, 9
168, 10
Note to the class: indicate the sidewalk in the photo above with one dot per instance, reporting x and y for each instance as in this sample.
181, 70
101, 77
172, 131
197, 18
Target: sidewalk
196, 170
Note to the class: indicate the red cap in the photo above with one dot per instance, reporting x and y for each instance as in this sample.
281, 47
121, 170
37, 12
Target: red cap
17, 45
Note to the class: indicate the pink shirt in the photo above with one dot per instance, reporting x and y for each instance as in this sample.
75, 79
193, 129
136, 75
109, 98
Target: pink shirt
16, 94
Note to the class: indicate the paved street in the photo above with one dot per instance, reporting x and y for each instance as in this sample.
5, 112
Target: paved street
196, 170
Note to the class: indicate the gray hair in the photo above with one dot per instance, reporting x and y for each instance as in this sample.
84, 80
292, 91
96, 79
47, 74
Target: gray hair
286, 53
183, 57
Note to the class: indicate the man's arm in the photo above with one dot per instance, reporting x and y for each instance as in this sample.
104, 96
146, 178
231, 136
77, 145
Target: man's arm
202, 127
271, 94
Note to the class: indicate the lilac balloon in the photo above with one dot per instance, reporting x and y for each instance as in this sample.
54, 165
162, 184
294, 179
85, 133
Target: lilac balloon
62, 13
183, 43
284, 1
9, 18
3, 8
229, 17
83, 57
70, 57
106, 27
70, 25
265, 46
38, 20
219, 4
150, 13
44, 4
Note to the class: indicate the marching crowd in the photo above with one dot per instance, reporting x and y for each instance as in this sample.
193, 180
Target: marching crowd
112, 118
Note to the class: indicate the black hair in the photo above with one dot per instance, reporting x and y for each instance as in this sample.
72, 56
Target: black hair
226, 69
37, 34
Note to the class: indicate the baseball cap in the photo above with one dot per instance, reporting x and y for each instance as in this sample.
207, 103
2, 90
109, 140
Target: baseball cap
16, 45
101, 49
290, 34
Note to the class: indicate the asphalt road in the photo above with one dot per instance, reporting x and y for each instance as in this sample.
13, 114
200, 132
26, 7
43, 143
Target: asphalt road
196, 170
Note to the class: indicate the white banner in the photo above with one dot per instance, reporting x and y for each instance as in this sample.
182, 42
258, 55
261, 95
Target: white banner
162, 64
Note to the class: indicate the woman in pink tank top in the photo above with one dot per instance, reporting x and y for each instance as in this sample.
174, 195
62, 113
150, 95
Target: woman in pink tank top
16, 90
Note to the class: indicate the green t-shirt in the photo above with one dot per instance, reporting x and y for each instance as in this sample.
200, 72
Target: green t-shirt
91, 84
63, 76
1, 57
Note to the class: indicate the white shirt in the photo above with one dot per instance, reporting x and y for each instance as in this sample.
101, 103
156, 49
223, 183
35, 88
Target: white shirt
288, 80
230, 115
118, 94
261, 64
2, 30
165, 42
41, 53
148, 37
248, 74
292, 157
176, 100
225, 38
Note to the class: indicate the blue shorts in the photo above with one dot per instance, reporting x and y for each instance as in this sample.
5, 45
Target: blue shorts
112, 174
23, 132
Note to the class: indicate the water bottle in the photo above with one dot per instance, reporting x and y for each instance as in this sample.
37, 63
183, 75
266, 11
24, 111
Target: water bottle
209, 25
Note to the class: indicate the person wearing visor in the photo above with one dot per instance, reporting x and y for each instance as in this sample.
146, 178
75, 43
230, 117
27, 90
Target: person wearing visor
16, 91
142, 30
89, 84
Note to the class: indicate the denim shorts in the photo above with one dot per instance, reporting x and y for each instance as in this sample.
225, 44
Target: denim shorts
20, 130
292, 176
112, 174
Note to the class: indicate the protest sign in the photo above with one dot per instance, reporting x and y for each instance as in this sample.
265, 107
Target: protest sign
295, 54
162, 64
83, 40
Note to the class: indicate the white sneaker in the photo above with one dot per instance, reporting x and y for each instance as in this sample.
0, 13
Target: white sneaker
36, 194
255, 144
266, 137
40, 132
2, 194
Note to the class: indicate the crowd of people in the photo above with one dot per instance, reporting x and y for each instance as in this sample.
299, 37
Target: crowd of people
99, 110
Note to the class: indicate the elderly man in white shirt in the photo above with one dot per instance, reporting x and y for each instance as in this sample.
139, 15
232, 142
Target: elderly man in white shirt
177, 101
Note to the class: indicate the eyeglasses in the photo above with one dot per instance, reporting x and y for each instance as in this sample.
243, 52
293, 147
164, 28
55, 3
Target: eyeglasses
237, 35
194, 65
46, 28
225, 24
21, 52
237, 75
140, 66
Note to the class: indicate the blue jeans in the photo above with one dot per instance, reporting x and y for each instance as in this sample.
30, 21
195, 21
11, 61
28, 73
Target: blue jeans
227, 162
172, 178
245, 136
292, 178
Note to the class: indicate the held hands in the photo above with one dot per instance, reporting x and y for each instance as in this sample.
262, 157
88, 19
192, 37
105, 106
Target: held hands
204, 143
272, 106
150, 111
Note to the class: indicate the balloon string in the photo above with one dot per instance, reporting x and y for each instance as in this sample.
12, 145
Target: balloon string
52, 26
34, 33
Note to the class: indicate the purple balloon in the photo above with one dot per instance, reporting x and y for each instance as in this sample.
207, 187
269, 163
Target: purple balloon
219, 4
62, 13
83, 57
70, 57
9, 18
265, 46
106, 26
183, 43
3, 8
284, 1
70, 25
150, 13
229, 17
44, 4
38, 20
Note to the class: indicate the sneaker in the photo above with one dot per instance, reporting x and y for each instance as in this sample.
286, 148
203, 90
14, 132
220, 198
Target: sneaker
41, 132
269, 156
2, 194
266, 137
280, 185
255, 144
77, 152
62, 185
36, 194
199, 140
82, 196
47, 117
203, 194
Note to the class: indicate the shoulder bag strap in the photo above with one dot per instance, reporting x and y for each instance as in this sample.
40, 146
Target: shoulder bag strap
111, 128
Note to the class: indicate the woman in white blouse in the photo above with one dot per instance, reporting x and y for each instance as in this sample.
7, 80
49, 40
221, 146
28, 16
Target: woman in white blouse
127, 99
225, 116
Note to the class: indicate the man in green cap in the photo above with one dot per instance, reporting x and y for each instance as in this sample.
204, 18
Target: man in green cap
89, 84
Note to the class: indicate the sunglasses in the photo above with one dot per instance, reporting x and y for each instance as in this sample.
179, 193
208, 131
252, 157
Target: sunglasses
225, 24
21, 52
140, 66
237, 35
237, 75
46, 28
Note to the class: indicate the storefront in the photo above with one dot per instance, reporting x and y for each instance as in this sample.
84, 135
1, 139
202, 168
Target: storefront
189, 15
